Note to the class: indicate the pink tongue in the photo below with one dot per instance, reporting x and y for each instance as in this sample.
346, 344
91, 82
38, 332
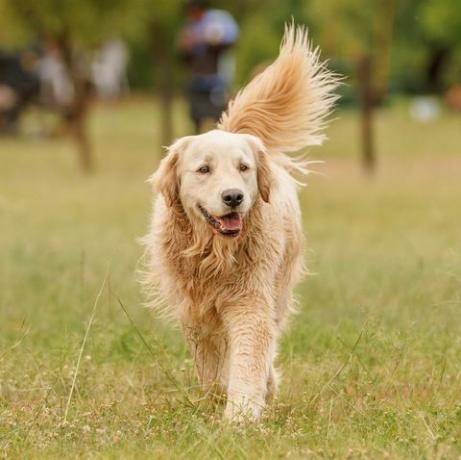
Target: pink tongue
231, 222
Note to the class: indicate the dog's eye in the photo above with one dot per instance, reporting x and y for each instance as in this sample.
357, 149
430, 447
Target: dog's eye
203, 169
243, 167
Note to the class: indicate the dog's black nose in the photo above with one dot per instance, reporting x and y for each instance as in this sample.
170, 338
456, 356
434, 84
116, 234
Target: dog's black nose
232, 197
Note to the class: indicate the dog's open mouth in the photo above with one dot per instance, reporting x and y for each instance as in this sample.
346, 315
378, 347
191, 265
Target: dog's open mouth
227, 225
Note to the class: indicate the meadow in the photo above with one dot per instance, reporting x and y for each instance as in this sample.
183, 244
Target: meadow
371, 364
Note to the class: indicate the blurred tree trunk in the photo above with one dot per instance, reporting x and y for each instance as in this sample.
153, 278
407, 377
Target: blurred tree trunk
436, 62
373, 70
163, 58
382, 49
78, 111
80, 134
367, 101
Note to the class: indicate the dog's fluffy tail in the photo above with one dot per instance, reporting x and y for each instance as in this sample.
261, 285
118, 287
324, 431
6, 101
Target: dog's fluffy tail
287, 104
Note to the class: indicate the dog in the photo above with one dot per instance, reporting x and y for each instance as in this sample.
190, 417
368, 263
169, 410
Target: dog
225, 246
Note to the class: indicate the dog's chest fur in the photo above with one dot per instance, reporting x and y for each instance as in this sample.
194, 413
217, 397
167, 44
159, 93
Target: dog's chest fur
211, 272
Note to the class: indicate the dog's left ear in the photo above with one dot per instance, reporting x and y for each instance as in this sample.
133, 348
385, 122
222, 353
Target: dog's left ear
264, 174
165, 179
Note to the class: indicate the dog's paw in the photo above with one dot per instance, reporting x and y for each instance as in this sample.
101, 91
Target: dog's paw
243, 410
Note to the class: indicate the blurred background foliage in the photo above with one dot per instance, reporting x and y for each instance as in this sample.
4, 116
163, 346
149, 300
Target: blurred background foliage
382, 48
421, 30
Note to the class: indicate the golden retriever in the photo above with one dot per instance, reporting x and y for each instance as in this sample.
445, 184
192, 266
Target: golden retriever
225, 244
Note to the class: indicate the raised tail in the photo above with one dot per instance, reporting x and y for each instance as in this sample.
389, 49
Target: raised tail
287, 104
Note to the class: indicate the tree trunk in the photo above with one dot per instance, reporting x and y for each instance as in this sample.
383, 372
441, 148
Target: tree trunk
364, 73
80, 135
437, 60
373, 69
382, 49
77, 113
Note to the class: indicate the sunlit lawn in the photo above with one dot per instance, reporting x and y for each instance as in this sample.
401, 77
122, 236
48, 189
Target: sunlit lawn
372, 363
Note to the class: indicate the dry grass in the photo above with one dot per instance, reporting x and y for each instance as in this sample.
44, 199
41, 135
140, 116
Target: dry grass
371, 365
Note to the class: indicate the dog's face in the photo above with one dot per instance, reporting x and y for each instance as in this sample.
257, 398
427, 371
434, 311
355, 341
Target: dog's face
217, 177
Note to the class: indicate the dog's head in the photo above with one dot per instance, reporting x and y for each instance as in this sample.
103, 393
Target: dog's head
217, 177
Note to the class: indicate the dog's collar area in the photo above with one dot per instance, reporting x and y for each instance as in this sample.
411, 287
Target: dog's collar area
218, 223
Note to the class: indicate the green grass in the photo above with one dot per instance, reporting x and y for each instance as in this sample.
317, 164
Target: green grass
372, 363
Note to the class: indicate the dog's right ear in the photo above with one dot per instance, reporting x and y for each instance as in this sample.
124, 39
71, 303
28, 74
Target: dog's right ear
165, 179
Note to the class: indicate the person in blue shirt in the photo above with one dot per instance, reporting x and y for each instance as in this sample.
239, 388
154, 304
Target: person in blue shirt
204, 44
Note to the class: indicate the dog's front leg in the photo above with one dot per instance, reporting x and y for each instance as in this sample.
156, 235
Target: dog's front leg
251, 339
207, 356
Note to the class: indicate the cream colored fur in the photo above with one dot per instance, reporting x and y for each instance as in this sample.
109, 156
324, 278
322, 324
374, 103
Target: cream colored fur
232, 296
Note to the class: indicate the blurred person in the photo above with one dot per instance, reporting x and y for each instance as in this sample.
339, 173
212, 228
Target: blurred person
109, 69
57, 89
19, 87
204, 43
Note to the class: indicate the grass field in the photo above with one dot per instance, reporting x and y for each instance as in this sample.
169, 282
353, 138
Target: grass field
372, 363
